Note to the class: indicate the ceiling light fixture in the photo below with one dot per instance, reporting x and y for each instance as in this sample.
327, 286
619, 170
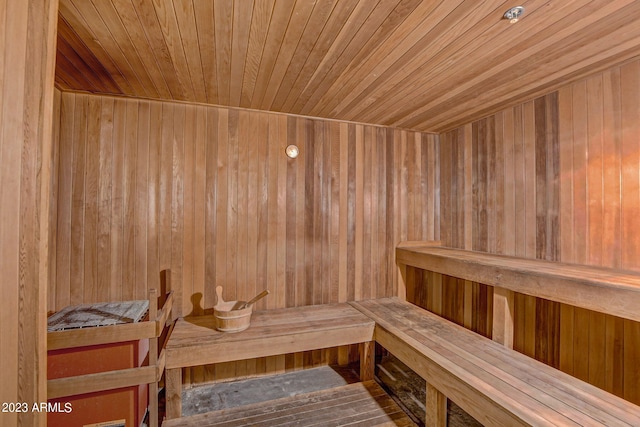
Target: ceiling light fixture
513, 14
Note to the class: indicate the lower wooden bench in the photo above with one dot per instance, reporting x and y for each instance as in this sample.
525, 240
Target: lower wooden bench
494, 384
195, 342
364, 404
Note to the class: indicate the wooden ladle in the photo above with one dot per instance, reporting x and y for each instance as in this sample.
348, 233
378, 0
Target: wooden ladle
241, 304
219, 294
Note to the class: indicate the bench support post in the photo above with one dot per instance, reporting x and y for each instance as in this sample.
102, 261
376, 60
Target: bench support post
503, 316
173, 379
343, 355
402, 282
367, 360
436, 406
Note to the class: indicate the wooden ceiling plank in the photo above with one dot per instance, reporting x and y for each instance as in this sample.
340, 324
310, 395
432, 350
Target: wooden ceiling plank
280, 19
72, 63
541, 58
473, 57
77, 22
239, 46
75, 43
345, 37
260, 22
367, 35
205, 23
223, 15
370, 68
422, 65
451, 27
505, 101
297, 24
151, 27
310, 37
188, 30
623, 52
480, 58
144, 56
122, 46
338, 19
171, 35
70, 73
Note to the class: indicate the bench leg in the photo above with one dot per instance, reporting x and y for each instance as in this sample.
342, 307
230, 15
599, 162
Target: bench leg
367, 360
503, 302
436, 408
173, 380
402, 282
153, 405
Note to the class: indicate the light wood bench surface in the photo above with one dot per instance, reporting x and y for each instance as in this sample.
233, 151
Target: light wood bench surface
494, 384
364, 404
605, 290
195, 341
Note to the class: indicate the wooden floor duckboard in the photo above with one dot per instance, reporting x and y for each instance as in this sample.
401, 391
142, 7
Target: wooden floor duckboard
359, 404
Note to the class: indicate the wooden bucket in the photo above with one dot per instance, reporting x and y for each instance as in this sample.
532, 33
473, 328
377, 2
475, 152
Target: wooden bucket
228, 320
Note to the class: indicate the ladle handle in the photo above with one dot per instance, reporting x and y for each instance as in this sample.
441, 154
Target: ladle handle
219, 294
256, 298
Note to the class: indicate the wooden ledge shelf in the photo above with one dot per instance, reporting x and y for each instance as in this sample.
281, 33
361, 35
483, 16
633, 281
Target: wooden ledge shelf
605, 290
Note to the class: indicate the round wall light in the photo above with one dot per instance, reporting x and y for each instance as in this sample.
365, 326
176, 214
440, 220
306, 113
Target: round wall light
292, 151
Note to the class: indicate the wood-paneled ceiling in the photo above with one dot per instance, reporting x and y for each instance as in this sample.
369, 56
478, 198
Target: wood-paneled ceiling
426, 65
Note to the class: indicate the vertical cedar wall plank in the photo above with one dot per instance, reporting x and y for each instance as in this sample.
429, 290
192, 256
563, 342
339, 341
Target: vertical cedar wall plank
209, 193
569, 193
27, 56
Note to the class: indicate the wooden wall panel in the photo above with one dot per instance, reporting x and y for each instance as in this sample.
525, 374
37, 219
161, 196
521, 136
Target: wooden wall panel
209, 193
55, 193
556, 178
27, 55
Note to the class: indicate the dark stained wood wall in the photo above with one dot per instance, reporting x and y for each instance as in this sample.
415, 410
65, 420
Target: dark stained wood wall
27, 55
557, 179
208, 192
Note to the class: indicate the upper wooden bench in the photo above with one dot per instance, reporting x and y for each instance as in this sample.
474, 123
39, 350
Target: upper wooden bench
606, 290
494, 384
195, 341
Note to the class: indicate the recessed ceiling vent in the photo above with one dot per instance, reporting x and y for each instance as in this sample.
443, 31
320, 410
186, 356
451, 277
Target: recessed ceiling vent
513, 14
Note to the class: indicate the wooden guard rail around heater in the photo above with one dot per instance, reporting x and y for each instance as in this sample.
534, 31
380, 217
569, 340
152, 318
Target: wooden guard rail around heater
605, 290
494, 384
151, 329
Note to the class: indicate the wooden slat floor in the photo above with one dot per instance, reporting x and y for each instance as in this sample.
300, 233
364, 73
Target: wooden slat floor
359, 404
